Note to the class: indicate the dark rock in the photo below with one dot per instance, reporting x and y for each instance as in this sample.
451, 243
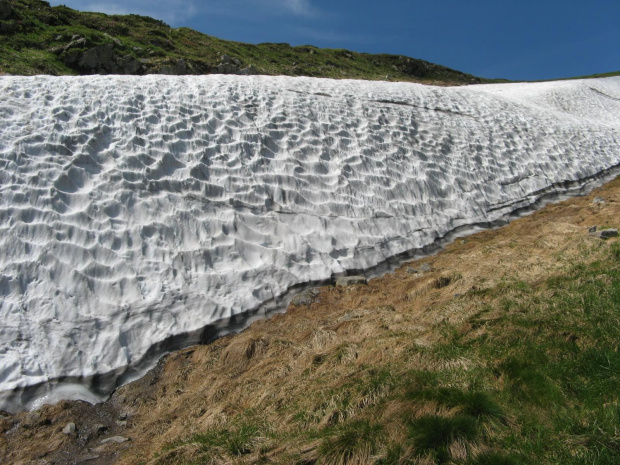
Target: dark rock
305, 298
249, 71
607, 233
227, 68
603, 233
123, 416
351, 280
181, 67
6, 10
115, 439
71, 57
228, 65
130, 65
97, 57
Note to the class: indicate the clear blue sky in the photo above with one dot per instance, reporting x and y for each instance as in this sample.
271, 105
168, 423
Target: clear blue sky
525, 39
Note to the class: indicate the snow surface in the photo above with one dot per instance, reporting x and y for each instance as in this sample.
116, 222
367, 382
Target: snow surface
136, 211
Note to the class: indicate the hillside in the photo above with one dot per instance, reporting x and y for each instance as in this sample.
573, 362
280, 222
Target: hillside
500, 350
39, 39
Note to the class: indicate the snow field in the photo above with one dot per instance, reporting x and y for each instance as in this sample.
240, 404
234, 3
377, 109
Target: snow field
136, 209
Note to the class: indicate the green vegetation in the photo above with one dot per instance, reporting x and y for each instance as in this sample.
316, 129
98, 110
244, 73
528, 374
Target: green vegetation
541, 385
241, 437
39, 39
357, 440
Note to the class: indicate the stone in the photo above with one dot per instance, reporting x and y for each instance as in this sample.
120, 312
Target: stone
599, 201
181, 67
122, 423
115, 439
351, 281
249, 71
69, 428
411, 270
131, 65
123, 416
97, 57
5, 9
305, 298
227, 68
603, 233
225, 59
607, 233
177, 69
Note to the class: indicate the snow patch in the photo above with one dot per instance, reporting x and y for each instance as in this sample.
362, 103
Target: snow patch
135, 211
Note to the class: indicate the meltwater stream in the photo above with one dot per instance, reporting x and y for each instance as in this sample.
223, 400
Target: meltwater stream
137, 211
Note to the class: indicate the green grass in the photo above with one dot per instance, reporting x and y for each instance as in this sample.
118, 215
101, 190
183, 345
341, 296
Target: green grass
243, 436
40, 28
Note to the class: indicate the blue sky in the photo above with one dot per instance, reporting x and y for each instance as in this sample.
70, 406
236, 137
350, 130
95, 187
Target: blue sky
525, 39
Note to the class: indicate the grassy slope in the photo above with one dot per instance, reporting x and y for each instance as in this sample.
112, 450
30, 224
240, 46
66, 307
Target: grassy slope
40, 28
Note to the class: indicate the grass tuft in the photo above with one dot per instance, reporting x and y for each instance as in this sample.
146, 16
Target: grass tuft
433, 435
353, 442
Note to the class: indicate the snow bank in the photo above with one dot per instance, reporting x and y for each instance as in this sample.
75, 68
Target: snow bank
137, 211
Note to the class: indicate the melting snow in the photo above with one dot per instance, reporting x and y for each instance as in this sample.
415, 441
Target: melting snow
136, 211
